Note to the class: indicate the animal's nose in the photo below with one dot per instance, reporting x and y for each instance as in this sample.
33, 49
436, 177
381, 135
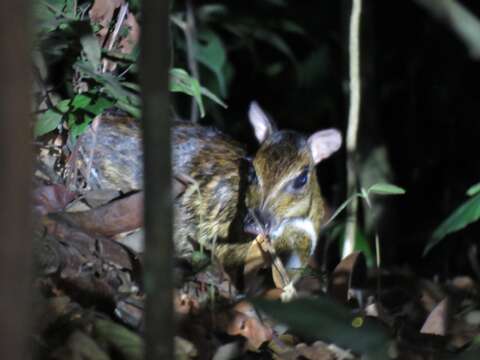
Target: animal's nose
257, 222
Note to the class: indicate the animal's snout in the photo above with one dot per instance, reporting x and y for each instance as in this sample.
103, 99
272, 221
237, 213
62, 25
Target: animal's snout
257, 222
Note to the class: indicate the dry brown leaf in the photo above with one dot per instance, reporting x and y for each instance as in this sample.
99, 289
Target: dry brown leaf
250, 328
102, 13
437, 321
243, 320
51, 198
125, 214
102, 10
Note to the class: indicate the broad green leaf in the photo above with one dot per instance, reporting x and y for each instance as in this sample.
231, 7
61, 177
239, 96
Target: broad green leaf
92, 49
47, 121
210, 52
473, 190
80, 101
99, 105
77, 129
63, 106
326, 320
464, 215
385, 189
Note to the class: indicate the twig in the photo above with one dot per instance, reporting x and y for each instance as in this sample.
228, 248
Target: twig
190, 36
121, 17
353, 123
460, 19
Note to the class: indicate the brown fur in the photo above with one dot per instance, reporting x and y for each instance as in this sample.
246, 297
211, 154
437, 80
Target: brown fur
212, 166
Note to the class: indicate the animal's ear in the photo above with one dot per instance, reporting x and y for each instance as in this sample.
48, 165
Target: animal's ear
262, 125
324, 143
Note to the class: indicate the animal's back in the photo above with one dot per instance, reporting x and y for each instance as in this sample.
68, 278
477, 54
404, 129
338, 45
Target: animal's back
209, 162
206, 161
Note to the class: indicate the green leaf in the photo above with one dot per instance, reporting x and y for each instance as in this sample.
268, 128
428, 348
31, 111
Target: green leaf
464, 215
99, 105
385, 189
325, 320
210, 52
131, 109
213, 97
473, 190
181, 81
47, 121
92, 49
77, 129
112, 85
80, 101
63, 106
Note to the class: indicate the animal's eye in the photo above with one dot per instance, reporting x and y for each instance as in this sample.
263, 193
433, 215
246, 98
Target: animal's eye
252, 175
300, 180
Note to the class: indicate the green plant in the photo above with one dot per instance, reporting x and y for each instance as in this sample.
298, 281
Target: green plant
464, 215
324, 319
80, 73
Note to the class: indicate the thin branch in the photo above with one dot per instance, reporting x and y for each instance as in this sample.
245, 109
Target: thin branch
353, 124
190, 36
460, 19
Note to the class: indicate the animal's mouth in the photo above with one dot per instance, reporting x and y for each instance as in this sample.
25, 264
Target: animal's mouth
252, 229
256, 223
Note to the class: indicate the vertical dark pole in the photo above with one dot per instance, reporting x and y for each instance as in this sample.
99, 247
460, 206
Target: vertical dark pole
15, 180
154, 65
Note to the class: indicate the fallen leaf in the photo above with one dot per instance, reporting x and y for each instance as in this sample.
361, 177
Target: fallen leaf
437, 321
51, 198
102, 10
250, 328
